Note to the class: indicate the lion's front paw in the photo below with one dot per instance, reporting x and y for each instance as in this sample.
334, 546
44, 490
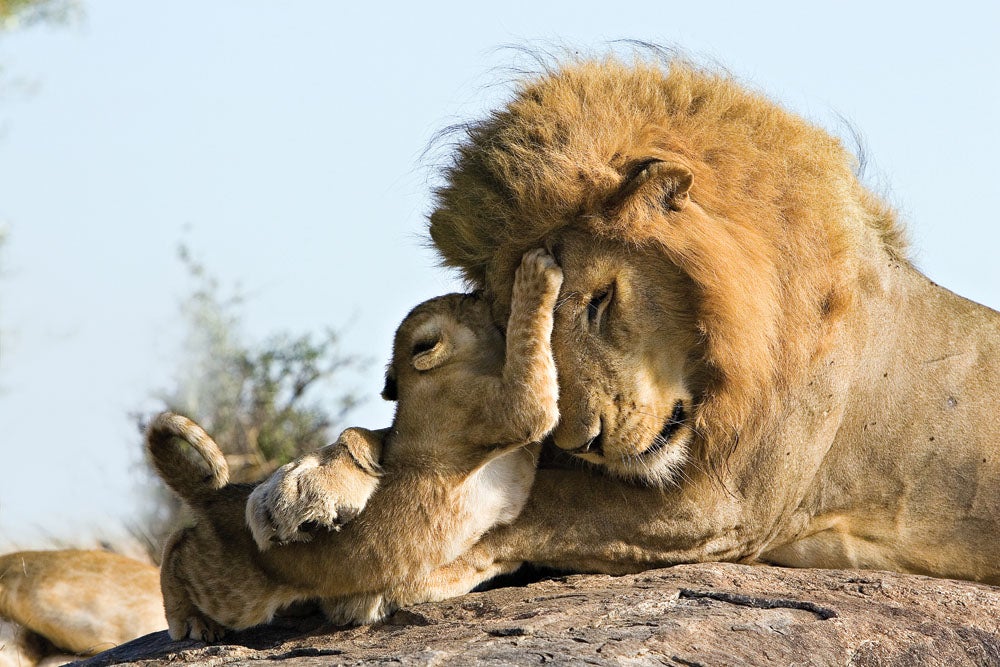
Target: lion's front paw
320, 490
538, 271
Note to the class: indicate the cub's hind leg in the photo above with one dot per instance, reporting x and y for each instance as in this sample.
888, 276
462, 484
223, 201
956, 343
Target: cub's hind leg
184, 619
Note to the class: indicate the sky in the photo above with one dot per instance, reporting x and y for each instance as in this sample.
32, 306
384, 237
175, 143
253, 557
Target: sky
285, 144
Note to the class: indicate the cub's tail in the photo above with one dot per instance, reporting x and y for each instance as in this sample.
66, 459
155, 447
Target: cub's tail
193, 481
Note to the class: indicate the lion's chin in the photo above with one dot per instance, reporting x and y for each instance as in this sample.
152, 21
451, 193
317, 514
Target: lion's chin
660, 465
660, 462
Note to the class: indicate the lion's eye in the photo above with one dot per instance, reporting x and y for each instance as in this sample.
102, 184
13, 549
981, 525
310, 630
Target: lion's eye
598, 305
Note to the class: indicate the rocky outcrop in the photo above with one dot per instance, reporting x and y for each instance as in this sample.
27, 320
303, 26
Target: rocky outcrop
711, 614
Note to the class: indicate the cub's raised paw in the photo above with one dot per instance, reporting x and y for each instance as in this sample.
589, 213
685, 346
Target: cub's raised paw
538, 271
325, 489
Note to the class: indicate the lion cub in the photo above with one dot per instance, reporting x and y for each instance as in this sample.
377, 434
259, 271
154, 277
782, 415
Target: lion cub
458, 459
80, 601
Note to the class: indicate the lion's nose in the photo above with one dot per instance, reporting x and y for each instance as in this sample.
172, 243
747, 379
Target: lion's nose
595, 445
591, 438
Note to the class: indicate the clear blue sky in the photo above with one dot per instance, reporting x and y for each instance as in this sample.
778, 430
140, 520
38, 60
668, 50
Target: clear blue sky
283, 141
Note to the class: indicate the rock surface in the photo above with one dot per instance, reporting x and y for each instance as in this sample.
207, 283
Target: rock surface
711, 614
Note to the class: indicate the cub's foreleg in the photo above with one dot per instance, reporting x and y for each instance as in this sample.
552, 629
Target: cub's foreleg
522, 406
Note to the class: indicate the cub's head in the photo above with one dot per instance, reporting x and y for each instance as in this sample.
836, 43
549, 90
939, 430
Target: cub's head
440, 349
454, 333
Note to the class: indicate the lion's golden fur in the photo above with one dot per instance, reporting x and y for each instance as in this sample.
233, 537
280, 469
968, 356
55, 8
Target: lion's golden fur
733, 296
771, 255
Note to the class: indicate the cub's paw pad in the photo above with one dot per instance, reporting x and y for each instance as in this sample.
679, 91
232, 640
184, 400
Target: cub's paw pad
305, 496
197, 626
206, 630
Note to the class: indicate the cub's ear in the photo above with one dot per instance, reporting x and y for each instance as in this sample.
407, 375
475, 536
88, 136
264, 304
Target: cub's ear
675, 179
431, 351
390, 392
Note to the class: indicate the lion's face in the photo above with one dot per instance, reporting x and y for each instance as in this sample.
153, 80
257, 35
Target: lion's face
625, 346
701, 230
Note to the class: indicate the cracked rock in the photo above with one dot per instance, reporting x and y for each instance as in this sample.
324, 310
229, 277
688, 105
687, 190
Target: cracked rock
706, 614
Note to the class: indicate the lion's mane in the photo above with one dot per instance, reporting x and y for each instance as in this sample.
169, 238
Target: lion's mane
769, 247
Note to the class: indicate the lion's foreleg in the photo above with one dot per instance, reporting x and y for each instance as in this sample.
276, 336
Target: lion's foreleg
579, 521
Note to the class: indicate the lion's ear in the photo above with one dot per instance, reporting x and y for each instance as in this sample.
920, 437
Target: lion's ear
678, 179
674, 177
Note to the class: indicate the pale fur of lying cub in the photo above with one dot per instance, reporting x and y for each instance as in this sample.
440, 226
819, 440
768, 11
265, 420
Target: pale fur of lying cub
458, 459
79, 601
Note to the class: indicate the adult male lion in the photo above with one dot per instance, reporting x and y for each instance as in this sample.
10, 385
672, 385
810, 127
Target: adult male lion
745, 355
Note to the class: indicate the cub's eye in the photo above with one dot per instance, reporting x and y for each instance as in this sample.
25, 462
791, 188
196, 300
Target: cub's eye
598, 305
